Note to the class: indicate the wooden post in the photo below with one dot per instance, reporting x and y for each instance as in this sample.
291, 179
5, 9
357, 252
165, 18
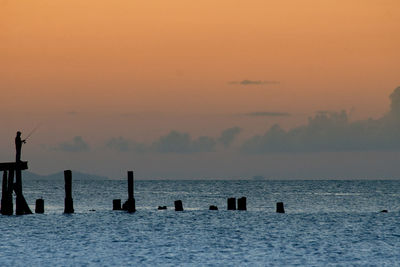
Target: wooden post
212, 207
130, 203
241, 203
130, 184
39, 208
21, 207
178, 205
68, 201
9, 202
116, 204
162, 207
280, 208
4, 194
232, 203
18, 191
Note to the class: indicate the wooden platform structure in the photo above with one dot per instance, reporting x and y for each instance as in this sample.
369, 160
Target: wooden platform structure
6, 166
8, 187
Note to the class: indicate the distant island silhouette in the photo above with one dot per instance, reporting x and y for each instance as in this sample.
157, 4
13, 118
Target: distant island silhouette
59, 176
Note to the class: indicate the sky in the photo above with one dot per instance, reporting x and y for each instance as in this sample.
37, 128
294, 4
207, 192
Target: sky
202, 89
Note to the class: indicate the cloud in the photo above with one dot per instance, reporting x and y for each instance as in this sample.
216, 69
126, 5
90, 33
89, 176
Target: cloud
203, 144
253, 82
228, 136
176, 142
332, 131
76, 145
122, 144
267, 114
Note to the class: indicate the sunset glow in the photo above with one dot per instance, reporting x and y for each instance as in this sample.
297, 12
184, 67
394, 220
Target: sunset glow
140, 69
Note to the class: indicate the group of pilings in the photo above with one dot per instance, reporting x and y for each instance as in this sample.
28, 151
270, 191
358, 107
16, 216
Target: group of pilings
8, 187
231, 205
21, 208
129, 204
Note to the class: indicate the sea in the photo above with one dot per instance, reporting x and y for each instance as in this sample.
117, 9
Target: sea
326, 223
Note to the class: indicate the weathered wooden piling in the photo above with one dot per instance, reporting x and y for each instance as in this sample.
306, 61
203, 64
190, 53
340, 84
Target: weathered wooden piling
130, 184
10, 186
21, 206
212, 207
39, 207
241, 203
19, 210
68, 201
162, 207
232, 203
130, 203
4, 194
178, 205
116, 204
280, 208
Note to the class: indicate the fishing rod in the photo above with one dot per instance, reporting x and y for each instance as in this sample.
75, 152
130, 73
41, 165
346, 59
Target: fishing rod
34, 130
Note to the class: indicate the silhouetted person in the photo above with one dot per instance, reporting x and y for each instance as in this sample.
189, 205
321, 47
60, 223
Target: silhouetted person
18, 146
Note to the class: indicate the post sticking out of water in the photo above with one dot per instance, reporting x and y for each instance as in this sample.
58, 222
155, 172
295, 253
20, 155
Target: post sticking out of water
116, 204
39, 208
232, 203
4, 194
21, 206
280, 208
178, 205
6, 206
130, 203
9, 202
18, 190
241, 203
68, 201
213, 207
130, 184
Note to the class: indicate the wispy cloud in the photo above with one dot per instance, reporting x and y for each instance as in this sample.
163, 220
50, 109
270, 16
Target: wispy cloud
267, 114
253, 82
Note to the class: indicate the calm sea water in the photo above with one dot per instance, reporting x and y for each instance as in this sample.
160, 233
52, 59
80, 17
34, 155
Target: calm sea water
327, 223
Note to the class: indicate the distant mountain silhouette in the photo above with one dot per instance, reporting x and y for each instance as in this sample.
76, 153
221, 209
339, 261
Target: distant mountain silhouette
258, 177
27, 175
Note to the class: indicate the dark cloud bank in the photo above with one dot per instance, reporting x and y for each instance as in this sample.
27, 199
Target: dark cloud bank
332, 131
325, 132
177, 142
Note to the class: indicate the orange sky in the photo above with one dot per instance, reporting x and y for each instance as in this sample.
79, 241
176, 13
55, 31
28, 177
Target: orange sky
108, 60
178, 56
